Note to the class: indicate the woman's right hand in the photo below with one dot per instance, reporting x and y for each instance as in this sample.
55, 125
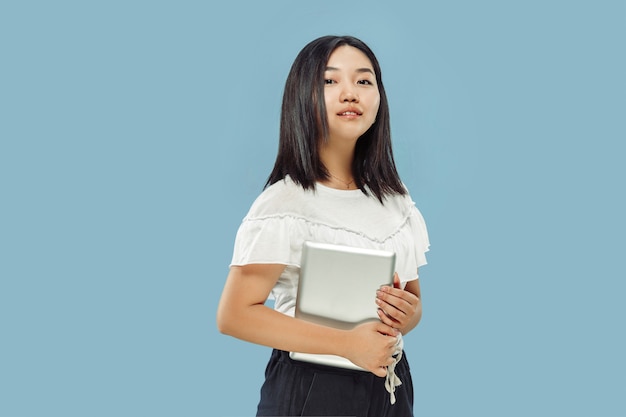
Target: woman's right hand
372, 346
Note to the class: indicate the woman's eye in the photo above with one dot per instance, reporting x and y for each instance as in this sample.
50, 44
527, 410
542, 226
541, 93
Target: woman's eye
365, 82
329, 81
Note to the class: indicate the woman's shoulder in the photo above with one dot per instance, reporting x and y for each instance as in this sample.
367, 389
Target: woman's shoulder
398, 201
278, 199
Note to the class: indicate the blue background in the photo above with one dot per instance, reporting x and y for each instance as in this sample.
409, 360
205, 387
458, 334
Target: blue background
135, 135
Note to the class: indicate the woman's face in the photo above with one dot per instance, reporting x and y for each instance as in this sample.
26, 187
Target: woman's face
350, 93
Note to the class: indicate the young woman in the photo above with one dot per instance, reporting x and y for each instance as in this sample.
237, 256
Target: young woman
334, 181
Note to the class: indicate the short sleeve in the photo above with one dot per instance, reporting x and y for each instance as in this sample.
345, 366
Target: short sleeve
266, 240
420, 234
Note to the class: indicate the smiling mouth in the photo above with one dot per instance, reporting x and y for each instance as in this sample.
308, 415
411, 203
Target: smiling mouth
349, 113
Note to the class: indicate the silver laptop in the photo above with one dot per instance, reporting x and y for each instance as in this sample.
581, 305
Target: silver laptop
337, 288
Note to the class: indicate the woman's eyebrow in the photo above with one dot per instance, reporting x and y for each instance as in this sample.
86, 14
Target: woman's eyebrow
359, 70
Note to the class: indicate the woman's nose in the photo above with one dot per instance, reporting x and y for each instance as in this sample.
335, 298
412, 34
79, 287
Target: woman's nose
348, 95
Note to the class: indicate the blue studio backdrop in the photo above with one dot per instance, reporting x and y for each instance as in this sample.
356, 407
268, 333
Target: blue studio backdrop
134, 136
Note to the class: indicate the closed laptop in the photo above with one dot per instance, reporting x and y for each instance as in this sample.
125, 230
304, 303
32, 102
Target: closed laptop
337, 288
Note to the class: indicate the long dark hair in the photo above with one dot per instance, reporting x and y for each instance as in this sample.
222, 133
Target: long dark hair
303, 124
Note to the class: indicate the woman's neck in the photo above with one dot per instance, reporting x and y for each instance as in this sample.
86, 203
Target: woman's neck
338, 163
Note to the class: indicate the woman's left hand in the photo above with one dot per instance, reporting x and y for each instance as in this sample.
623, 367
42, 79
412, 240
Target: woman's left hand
400, 308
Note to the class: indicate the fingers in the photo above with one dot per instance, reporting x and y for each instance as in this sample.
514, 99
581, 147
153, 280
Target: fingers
383, 346
391, 338
396, 307
396, 296
387, 330
381, 371
391, 335
396, 281
394, 301
389, 321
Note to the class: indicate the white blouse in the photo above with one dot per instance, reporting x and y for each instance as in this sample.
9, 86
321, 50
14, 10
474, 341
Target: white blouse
285, 215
